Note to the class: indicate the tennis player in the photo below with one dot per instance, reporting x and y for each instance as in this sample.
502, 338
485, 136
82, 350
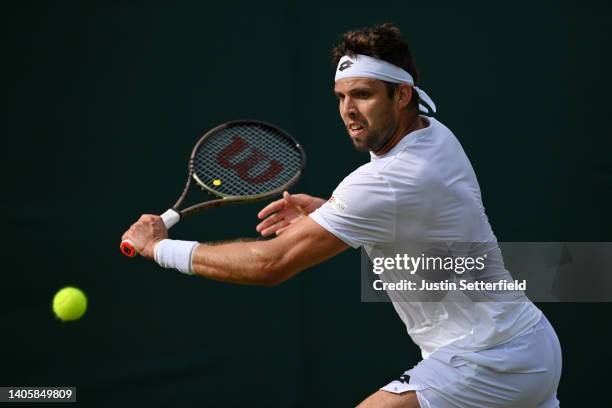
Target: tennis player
419, 186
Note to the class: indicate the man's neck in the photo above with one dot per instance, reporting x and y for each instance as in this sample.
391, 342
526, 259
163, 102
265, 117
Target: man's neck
407, 125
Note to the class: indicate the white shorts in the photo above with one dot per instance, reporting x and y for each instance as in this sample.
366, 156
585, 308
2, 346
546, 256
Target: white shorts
522, 373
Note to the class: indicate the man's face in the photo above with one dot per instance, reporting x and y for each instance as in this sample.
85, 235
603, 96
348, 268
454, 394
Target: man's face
368, 113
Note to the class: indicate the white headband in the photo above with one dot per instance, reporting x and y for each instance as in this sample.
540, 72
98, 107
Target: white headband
367, 67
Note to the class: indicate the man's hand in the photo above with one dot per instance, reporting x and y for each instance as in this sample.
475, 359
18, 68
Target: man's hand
281, 214
145, 233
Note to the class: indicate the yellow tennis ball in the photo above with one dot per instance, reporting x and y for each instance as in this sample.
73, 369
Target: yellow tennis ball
216, 182
69, 303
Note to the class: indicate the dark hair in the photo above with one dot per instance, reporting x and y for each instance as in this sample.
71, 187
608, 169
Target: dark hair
382, 41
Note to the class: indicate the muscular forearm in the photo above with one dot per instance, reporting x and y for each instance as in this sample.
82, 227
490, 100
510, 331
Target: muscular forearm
268, 262
243, 262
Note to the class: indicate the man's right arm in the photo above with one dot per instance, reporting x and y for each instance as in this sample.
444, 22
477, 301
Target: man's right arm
268, 262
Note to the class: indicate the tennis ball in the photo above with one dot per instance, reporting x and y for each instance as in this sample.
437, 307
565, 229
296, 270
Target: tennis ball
69, 303
216, 182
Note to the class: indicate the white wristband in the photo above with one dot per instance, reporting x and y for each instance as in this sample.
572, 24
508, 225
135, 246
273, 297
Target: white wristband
170, 253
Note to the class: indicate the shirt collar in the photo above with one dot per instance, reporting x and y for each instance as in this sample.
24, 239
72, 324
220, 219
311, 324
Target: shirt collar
406, 140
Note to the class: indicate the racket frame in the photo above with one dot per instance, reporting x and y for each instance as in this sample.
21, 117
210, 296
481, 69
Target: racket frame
173, 215
225, 199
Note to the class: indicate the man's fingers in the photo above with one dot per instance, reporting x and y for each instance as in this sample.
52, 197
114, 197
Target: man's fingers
262, 225
278, 205
279, 227
126, 234
273, 228
271, 208
267, 222
276, 216
267, 231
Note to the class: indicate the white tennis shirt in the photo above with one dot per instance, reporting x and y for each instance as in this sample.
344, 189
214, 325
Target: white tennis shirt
425, 190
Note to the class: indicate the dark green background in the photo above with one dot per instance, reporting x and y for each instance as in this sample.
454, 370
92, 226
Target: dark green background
103, 102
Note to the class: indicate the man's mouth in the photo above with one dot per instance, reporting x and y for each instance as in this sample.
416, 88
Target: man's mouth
355, 129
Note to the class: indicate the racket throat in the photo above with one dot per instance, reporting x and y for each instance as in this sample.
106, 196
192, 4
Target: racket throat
170, 218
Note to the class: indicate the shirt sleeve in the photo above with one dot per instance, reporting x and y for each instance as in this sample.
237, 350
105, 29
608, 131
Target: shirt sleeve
361, 210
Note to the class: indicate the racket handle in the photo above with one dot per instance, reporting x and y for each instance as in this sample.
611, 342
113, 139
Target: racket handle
169, 218
128, 249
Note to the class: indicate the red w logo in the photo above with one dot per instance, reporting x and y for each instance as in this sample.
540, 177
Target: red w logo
243, 167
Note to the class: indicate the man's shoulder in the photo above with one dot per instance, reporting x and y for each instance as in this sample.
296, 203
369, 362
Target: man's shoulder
366, 174
365, 186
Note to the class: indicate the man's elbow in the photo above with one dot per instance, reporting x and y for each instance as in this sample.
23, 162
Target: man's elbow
271, 280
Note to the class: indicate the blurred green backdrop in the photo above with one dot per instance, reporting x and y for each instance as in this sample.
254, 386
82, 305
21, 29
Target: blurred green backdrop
103, 102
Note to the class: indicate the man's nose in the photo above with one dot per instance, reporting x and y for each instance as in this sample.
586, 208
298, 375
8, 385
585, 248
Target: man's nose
348, 108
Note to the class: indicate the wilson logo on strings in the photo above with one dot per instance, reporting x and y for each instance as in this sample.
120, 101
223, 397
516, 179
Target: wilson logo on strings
244, 167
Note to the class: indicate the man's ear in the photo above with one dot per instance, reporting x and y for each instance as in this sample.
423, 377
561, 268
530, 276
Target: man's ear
404, 95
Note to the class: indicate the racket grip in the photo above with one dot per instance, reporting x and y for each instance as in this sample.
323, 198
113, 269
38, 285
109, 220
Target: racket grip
169, 218
128, 249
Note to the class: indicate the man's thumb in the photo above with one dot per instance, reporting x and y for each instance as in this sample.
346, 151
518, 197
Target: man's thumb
288, 198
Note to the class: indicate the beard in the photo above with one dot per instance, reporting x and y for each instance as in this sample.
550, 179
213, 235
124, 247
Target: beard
375, 139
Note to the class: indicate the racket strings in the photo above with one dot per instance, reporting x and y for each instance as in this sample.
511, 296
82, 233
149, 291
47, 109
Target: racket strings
247, 160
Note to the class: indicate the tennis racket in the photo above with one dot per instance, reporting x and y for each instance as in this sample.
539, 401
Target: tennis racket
237, 162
